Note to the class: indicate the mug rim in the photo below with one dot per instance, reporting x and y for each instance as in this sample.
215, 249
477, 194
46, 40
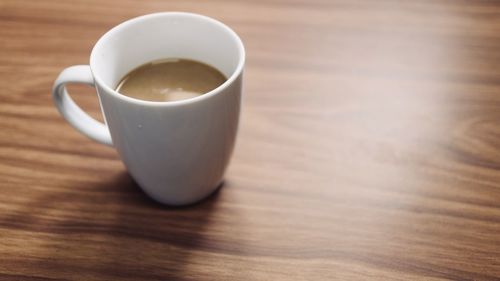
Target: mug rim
235, 74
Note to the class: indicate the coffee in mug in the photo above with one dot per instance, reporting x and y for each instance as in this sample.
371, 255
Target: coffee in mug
170, 80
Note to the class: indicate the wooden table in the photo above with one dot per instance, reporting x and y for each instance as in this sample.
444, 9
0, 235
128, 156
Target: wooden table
369, 148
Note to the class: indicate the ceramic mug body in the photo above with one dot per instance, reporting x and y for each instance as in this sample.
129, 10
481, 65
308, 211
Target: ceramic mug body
176, 151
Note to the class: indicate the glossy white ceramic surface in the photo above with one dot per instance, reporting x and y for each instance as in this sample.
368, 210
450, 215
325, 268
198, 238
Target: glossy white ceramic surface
176, 151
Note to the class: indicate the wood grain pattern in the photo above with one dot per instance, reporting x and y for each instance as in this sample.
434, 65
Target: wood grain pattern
369, 149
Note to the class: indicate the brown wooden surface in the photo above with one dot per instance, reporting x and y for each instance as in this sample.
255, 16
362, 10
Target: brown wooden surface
369, 148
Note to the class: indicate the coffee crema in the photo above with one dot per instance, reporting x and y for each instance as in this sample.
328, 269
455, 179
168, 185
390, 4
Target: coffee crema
170, 80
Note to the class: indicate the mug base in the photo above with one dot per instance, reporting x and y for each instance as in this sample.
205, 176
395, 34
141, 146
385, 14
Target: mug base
169, 203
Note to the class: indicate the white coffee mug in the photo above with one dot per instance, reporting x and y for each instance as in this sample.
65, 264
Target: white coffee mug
177, 151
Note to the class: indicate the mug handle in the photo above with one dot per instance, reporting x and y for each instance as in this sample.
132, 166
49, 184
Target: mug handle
71, 111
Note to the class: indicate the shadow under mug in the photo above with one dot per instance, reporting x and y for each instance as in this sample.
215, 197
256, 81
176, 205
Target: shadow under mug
177, 151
